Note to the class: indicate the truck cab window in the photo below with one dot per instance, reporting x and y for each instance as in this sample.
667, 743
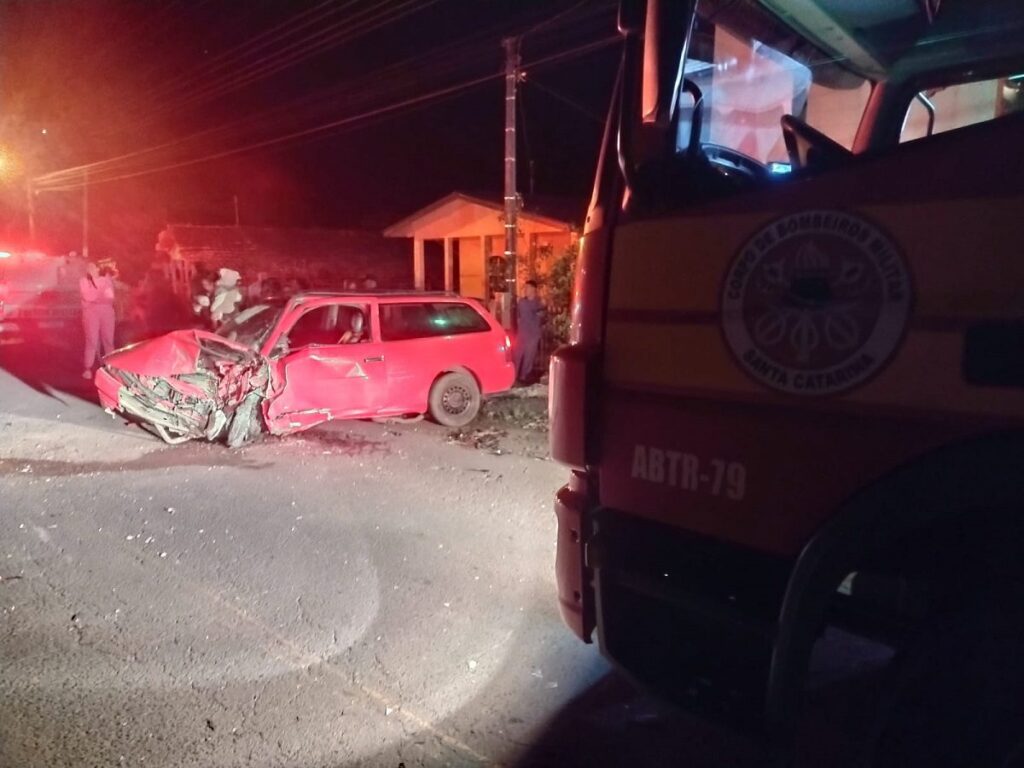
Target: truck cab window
763, 114
958, 106
747, 88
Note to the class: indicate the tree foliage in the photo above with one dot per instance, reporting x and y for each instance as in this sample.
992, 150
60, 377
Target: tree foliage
559, 289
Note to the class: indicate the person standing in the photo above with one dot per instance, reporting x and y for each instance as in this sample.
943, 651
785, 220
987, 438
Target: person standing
529, 329
227, 296
202, 299
97, 291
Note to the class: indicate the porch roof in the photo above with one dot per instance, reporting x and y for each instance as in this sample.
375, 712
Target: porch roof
462, 215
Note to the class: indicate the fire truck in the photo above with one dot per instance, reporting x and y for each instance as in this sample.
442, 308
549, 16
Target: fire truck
793, 397
39, 297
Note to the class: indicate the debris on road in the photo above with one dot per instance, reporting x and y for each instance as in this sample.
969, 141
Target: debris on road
487, 439
525, 407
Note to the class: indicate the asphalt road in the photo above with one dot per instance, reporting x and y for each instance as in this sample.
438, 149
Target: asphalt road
363, 594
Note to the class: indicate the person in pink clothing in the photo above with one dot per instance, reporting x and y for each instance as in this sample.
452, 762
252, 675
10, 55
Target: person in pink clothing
97, 289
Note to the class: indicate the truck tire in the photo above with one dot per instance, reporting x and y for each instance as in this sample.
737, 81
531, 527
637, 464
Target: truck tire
454, 400
956, 699
246, 422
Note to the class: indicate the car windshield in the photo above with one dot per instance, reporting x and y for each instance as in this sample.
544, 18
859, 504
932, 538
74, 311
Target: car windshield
252, 325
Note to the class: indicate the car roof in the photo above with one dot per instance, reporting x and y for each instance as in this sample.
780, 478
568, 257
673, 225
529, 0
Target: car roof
318, 298
405, 295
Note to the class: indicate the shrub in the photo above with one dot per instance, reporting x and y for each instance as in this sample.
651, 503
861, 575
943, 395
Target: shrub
559, 289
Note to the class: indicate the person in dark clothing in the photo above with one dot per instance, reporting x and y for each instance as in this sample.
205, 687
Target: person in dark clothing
202, 298
271, 291
162, 309
529, 329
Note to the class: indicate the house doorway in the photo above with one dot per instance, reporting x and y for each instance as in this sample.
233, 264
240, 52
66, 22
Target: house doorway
433, 265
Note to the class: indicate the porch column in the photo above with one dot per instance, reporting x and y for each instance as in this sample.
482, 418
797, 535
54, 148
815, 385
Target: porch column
449, 265
419, 271
487, 267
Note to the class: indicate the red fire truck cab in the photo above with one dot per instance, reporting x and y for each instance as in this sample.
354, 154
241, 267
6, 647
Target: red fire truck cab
793, 396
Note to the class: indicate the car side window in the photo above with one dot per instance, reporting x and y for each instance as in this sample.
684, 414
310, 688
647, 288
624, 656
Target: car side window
330, 324
417, 320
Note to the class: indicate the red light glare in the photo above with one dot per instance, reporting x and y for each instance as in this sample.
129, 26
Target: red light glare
4, 255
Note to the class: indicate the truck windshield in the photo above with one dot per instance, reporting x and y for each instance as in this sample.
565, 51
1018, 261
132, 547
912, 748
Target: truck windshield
748, 87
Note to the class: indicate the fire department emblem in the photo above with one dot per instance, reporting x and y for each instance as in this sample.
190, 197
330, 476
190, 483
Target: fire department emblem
816, 303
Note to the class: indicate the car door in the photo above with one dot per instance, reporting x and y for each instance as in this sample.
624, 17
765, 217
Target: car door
412, 364
317, 378
426, 338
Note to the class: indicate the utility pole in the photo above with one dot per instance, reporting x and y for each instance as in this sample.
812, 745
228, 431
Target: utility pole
85, 215
511, 45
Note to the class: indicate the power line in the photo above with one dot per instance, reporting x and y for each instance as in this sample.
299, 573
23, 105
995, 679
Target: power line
248, 47
566, 100
440, 61
305, 48
259, 50
321, 130
392, 78
553, 21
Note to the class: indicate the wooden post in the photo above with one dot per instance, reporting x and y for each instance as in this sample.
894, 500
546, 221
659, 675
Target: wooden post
419, 267
487, 268
449, 264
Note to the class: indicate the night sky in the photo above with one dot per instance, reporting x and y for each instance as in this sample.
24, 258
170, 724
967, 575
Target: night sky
107, 78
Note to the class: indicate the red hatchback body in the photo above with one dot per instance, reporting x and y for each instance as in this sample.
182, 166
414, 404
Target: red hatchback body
317, 358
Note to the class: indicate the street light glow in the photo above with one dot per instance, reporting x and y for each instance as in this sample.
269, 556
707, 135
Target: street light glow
6, 164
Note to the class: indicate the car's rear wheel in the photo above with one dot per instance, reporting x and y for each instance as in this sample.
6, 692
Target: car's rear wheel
454, 400
246, 422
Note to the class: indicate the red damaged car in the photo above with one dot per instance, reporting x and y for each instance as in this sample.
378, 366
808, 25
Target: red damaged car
282, 369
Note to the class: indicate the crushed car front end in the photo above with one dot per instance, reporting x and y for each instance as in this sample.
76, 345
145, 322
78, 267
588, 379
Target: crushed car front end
182, 386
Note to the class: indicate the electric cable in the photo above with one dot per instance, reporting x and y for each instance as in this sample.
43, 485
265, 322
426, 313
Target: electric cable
566, 100
322, 129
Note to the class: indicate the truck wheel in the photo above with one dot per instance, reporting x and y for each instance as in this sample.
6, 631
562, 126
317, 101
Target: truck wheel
454, 400
245, 424
957, 697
